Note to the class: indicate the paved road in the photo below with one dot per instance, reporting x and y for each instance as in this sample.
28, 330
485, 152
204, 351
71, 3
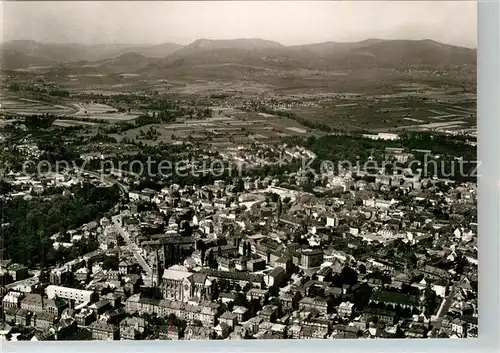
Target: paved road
117, 222
131, 245
443, 310
109, 180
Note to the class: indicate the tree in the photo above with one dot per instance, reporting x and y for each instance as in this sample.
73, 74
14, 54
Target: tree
362, 269
203, 256
279, 207
110, 263
240, 299
245, 249
349, 276
239, 185
212, 262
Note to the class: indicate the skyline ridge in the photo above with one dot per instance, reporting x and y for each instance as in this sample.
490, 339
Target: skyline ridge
235, 39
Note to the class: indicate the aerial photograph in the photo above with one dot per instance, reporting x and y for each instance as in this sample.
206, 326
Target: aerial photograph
238, 170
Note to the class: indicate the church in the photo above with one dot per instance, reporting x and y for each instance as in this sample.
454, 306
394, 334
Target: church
181, 285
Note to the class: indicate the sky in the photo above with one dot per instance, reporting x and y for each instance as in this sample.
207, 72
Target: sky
287, 22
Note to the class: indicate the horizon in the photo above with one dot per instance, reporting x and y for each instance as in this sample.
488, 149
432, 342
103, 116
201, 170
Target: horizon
288, 23
230, 39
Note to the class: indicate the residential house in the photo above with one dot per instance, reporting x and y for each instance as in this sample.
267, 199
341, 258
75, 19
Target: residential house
345, 309
198, 333
275, 277
318, 303
311, 258
102, 331
230, 319
383, 316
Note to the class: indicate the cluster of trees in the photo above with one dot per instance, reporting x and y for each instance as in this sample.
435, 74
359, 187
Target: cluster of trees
59, 93
361, 149
210, 260
35, 122
56, 150
31, 223
100, 137
110, 263
150, 134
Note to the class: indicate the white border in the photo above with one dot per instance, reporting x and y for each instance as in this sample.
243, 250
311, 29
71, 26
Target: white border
489, 249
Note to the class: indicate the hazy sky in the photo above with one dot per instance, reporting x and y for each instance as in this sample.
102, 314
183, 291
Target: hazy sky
288, 22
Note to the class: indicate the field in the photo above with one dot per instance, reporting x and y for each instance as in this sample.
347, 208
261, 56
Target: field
14, 105
23, 106
388, 112
374, 100
101, 112
230, 127
67, 123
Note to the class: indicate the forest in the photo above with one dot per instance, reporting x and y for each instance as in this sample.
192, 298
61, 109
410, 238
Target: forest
354, 147
29, 224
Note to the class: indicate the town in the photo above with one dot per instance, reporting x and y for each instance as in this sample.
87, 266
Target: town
232, 171
288, 254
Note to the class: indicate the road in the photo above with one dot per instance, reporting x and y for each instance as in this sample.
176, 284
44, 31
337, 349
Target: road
131, 245
109, 180
443, 310
117, 222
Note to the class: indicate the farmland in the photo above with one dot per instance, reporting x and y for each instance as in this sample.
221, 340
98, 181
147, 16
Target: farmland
233, 126
266, 108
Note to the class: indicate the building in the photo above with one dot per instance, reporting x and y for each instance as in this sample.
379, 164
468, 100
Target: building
12, 300
311, 258
255, 265
32, 302
258, 294
275, 277
345, 309
18, 272
198, 333
78, 295
459, 327
382, 316
44, 320
269, 313
177, 285
230, 319
319, 304
104, 331
60, 276
394, 299
240, 278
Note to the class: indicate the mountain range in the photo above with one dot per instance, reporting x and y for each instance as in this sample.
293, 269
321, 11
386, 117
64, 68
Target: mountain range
237, 55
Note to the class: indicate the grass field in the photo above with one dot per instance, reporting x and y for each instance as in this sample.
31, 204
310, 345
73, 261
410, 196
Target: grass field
23, 106
235, 127
389, 112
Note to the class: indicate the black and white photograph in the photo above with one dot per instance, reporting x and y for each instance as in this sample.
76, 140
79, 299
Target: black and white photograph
238, 170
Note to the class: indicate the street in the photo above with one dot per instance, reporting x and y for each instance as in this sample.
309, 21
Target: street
443, 309
131, 245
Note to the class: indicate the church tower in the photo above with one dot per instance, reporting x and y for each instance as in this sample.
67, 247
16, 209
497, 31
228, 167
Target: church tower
157, 269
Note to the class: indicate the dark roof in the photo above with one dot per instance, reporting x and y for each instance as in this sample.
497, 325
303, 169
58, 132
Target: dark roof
199, 277
233, 275
377, 311
309, 252
276, 272
395, 298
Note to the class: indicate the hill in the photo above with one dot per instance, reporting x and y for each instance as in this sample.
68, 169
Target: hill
11, 60
368, 54
71, 52
245, 57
